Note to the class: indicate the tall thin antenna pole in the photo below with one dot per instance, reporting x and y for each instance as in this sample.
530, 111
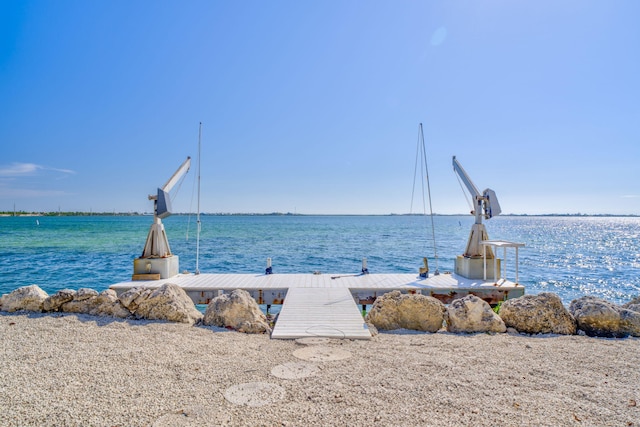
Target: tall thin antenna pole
198, 216
433, 228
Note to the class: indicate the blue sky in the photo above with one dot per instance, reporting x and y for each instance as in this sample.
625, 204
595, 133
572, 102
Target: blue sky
314, 106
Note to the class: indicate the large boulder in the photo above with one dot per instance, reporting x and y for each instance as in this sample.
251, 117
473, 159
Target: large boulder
600, 318
131, 298
538, 314
472, 314
237, 310
633, 305
395, 310
169, 302
55, 301
108, 304
28, 298
84, 302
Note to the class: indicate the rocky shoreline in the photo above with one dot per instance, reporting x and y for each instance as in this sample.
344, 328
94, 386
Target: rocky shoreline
529, 314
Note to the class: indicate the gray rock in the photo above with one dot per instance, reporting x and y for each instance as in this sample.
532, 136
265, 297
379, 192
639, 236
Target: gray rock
55, 301
133, 297
395, 310
169, 302
28, 298
538, 314
630, 320
237, 310
108, 304
108, 296
83, 302
472, 314
633, 305
600, 318
85, 294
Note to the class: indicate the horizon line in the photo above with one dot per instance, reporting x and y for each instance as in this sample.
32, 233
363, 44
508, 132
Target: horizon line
136, 213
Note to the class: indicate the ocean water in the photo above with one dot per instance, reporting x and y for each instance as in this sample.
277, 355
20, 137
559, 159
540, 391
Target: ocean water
570, 256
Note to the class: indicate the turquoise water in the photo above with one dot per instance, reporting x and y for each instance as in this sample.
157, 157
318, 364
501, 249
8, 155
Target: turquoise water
571, 256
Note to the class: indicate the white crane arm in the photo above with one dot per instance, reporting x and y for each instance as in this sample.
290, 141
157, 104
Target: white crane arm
485, 205
183, 169
465, 178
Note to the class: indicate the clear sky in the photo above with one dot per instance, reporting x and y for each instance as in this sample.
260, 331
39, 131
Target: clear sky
314, 106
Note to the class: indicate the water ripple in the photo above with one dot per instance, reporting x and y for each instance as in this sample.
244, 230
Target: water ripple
571, 256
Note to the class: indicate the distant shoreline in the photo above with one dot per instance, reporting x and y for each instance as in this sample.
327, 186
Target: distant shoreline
41, 214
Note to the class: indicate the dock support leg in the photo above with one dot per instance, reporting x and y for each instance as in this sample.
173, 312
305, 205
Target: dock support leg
268, 308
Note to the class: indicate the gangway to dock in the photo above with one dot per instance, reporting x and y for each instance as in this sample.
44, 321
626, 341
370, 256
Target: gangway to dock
320, 312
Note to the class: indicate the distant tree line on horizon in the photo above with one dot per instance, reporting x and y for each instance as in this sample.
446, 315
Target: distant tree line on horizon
56, 213
78, 213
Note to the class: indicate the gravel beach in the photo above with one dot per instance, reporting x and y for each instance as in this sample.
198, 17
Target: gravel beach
76, 370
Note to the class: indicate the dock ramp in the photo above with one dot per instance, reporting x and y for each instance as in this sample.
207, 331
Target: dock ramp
320, 312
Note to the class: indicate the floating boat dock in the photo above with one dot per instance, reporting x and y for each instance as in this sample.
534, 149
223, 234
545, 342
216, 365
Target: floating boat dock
326, 305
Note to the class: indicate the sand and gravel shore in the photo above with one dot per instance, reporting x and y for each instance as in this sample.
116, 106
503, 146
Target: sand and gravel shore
76, 370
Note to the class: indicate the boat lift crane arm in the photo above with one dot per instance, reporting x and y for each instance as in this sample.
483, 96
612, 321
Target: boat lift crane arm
183, 169
465, 178
162, 202
157, 245
485, 205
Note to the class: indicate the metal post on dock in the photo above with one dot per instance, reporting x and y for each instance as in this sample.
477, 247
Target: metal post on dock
516, 265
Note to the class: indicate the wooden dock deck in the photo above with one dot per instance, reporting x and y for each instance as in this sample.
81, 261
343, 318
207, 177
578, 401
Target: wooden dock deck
326, 304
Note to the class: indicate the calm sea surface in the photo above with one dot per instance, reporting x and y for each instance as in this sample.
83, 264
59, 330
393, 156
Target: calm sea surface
571, 256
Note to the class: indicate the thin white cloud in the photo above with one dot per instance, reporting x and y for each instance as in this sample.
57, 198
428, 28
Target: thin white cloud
19, 169
68, 171
27, 169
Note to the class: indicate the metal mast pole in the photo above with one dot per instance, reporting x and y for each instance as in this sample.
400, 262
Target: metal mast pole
433, 228
198, 216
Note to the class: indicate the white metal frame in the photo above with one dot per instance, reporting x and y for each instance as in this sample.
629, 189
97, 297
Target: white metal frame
499, 244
